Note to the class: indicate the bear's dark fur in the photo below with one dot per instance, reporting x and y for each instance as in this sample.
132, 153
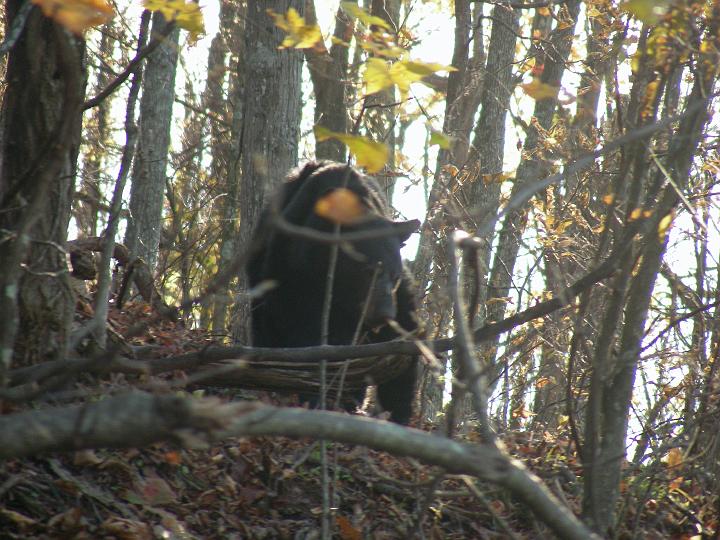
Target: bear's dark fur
290, 314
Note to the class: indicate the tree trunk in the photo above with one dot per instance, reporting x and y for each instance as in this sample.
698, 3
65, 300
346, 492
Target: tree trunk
149, 171
532, 167
329, 74
40, 135
271, 123
224, 166
382, 111
89, 196
614, 378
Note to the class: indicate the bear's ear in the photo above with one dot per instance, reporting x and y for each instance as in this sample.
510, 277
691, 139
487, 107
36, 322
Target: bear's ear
403, 229
302, 173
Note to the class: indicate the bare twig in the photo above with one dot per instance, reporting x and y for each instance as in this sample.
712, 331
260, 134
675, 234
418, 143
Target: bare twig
131, 68
97, 323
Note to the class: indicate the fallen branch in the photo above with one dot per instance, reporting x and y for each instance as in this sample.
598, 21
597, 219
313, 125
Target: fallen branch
296, 368
139, 419
141, 275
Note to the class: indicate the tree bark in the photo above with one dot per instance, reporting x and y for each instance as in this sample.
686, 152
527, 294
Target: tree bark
39, 140
329, 75
611, 390
271, 123
532, 166
149, 172
226, 161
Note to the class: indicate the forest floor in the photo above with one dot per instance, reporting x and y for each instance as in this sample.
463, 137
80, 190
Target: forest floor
270, 488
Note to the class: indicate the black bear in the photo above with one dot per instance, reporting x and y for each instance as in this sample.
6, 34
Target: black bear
370, 284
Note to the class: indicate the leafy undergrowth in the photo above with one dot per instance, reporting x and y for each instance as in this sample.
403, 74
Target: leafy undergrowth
268, 488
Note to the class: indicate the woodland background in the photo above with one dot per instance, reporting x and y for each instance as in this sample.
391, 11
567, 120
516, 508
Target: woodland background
567, 268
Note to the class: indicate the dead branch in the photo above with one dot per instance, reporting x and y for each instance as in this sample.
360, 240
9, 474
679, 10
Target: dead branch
142, 277
296, 368
138, 419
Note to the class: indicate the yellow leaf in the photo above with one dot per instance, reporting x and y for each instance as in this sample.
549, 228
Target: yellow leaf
496, 178
564, 225
674, 457
337, 41
664, 225
299, 35
405, 72
191, 20
423, 69
355, 11
186, 15
163, 6
323, 133
341, 206
376, 75
368, 154
539, 90
403, 77
648, 100
635, 214
76, 15
442, 140
609, 199
648, 11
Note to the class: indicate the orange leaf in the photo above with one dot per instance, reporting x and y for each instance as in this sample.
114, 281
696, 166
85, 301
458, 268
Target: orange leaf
347, 531
173, 457
676, 484
76, 15
340, 206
